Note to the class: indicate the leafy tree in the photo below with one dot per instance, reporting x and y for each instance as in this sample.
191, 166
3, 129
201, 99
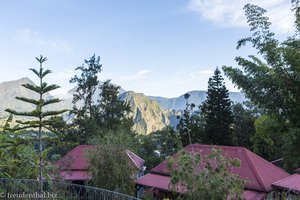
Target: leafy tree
17, 161
85, 108
189, 126
243, 125
40, 118
110, 167
157, 146
268, 138
114, 112
148, 151
217, 113
271, 78
212, 181
97, 114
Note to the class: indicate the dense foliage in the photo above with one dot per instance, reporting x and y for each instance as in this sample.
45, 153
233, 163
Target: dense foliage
157, 146
217, 112
110, 167
205, 177
114, 112
271, 78
243, 125
97, 110
85, 109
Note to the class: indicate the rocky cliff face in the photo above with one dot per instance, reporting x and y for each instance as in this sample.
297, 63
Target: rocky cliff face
147, 114
11, 89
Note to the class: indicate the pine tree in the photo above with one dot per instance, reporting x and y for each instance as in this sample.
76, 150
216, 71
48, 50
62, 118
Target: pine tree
114, 112
40, 118
217, 113
85, 109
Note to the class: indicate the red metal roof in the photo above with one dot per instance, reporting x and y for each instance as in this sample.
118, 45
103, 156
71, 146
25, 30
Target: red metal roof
75, 161
289, 183
75, 175
162, 182
136, 160
155, 181
258, 172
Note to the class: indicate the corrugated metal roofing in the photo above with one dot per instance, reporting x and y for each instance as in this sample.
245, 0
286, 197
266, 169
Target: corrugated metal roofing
136, 160
162, 182
289, 183
75, 161
258, 172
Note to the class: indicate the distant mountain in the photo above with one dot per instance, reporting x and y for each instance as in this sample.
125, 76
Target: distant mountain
196, 97
149, 113
11, 89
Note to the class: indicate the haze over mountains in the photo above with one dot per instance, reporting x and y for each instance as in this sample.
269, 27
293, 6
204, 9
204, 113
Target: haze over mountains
150, 113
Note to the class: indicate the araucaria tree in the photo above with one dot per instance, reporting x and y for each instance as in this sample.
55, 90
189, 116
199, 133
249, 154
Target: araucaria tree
271, 80
216, 111
40, 118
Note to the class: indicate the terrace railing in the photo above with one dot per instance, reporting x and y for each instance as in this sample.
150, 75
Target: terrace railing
29, 189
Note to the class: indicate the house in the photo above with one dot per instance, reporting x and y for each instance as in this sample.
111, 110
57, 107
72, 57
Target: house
74, 165
258, 172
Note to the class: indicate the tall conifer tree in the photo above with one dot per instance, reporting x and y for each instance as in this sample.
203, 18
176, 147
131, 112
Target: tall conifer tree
114, 112
40, 118
217, 113
85, 108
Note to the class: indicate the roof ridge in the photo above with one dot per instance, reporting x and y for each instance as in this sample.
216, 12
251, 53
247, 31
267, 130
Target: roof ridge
285, 178
135, 154
269, 163
131, 158
214, 145
252, 166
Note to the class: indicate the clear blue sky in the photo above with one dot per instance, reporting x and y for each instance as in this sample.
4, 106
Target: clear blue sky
157, 47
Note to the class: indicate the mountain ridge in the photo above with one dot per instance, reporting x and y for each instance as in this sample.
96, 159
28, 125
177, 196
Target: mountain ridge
150, 113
